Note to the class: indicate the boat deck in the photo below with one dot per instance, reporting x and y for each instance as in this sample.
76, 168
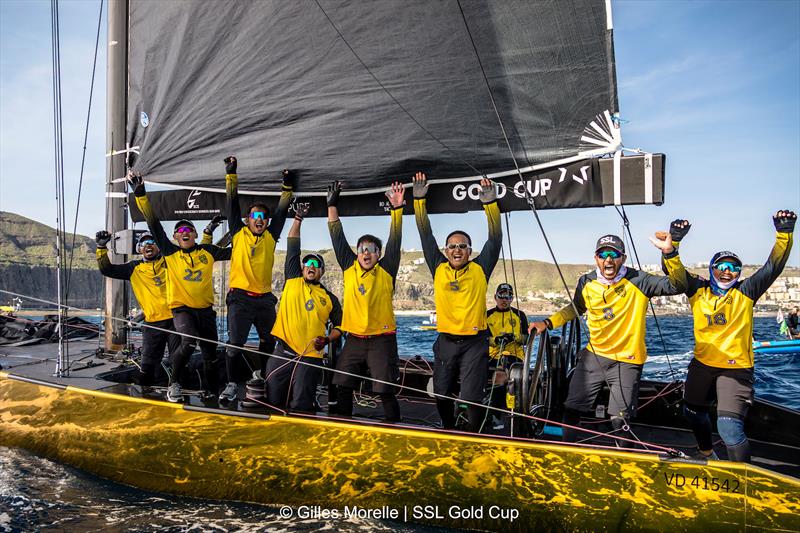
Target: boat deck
657, 423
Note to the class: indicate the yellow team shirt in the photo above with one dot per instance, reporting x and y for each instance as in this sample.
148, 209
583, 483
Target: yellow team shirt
148, 281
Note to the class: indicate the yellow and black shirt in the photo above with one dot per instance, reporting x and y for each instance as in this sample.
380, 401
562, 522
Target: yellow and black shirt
723, 325
253, 255
615, 314
368, 294
148, 280
306, 308
189, 271
513, 321
460, 295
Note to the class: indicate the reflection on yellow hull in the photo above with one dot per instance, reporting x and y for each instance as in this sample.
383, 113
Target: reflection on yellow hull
418, 476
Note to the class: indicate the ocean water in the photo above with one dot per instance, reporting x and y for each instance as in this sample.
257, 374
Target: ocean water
38, 494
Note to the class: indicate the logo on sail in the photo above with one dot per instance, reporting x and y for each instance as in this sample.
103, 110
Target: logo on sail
192, 202
583, 178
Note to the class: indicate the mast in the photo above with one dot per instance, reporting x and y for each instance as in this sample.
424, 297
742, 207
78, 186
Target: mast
116, 304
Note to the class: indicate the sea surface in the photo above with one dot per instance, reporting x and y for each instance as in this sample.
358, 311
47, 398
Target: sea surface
38, 494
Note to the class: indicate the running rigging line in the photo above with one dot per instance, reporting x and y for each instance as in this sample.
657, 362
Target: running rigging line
83, 156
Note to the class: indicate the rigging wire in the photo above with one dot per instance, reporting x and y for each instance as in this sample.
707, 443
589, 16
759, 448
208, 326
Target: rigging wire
83, 156
668, 450
627, 226
62, 365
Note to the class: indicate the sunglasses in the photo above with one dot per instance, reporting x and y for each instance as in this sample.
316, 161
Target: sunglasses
605, 254
457, 246
312, 263
255, 215
184, 229
146, 243
368, 249
727, 265
504, 296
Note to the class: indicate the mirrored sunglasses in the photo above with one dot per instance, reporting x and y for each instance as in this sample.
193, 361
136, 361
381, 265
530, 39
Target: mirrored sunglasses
184, 229
457, 246
605, 254
146, 243
727, 265
312, 263
255, 215
504, 296
368, 249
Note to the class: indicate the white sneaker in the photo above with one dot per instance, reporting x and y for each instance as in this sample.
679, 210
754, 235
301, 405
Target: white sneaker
257, 374
174, 393
229, 394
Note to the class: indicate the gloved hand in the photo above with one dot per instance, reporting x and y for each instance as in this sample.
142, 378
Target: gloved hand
136, 182
321, 342
488, 193
333, 193
420, 185
230, 165
288, 182
102, 238
784, 221
215, 222
678, 230
301, 211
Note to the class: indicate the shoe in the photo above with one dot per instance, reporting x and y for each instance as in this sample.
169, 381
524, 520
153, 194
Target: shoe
697, 454
229, 394
174, 393
257, 374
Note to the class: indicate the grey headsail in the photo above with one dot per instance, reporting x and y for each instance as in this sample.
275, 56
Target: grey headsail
371, 93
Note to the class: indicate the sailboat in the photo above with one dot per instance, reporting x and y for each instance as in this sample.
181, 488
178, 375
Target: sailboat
520, 92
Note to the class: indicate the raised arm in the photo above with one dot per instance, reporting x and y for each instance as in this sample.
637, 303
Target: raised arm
107, 268
490, 253
159, 235
678, 278
208, 231
433, 256
757, 284
566, 313
391, 256
279, 217
232, 195
344, 255
292, 267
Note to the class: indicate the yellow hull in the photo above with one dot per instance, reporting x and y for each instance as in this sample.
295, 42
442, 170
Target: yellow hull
418, 475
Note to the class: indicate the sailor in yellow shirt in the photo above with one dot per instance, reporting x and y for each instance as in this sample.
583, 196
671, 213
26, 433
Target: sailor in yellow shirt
461, 351
508, 332
368, 315
722, 307
615, 300
307, 307
148, 279
250, 300
190, 291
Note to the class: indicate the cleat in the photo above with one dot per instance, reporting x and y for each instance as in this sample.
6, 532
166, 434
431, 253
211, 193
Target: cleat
229, 394
174, 393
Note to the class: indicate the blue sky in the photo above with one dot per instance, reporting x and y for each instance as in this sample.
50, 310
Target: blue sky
714, 85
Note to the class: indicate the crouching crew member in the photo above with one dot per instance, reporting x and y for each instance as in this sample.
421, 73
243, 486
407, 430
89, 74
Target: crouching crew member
461, 350
508, 332
300, 329
722, 305
250, 299
368, 315
190, 290
148, 279
615, 299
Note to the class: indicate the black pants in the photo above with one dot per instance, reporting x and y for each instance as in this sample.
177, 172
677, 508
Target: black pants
245, 311
153, 343
378, 356
301, 380
200, 323
464, 357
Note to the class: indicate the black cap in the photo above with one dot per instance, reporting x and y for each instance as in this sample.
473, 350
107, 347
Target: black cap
504, 288
610, 241
725, 255
183, 223
313, 256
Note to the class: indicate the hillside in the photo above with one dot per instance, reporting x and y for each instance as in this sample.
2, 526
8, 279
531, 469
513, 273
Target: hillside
26, 242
